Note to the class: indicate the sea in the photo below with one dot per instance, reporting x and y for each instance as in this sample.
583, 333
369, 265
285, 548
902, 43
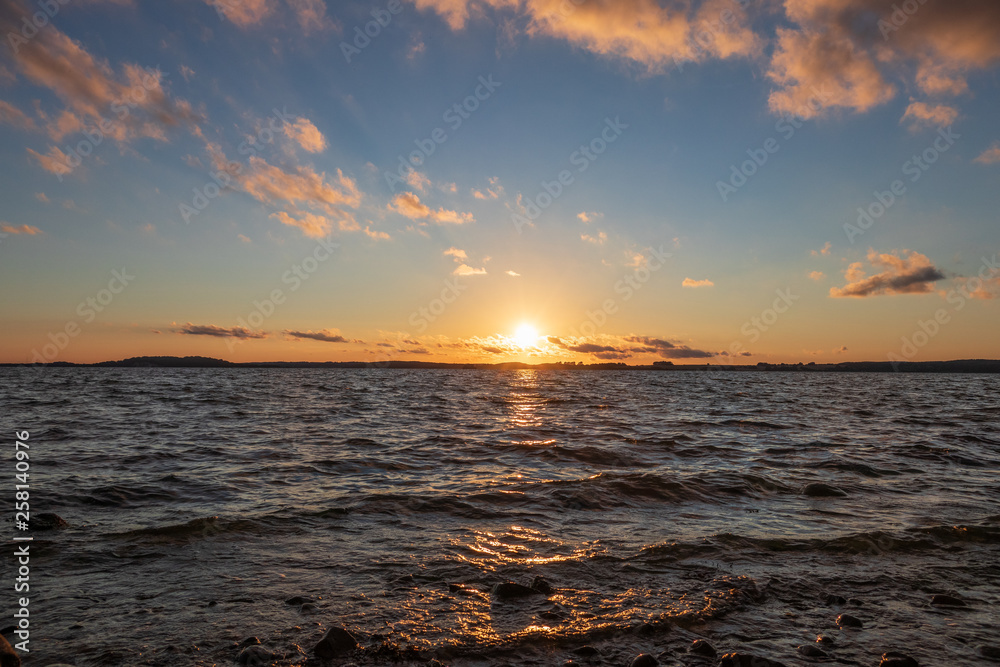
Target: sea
234, 516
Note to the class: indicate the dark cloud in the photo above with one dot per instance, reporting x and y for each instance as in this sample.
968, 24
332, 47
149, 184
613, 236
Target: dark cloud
219, 332
324, 336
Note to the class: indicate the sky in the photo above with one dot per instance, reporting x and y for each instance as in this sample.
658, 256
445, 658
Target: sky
719, 181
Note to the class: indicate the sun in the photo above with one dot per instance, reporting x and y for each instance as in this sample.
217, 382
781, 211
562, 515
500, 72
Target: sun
526, 336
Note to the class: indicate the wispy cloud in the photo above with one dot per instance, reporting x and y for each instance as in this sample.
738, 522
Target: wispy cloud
409, 206
324, 335
905, 272
219, 332
691, 282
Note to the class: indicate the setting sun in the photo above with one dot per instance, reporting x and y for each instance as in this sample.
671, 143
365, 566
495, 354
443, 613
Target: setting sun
526, 336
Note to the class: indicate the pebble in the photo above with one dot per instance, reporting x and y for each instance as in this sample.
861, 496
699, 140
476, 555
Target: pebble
298, 599
508, 590
702, 647
848, 621
947, 601
542, 586
893, 659
644, 629
812, 651
586, 651
644, 660
336, 641
823, 639
835, 600
249, 641
820, 490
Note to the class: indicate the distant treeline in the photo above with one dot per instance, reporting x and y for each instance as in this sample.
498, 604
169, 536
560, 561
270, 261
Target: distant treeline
959, 366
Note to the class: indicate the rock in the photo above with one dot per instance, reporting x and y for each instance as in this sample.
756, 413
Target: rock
336, 641
823, 639
8, 658
835, 600
991, 652
893, 659
586, 651
542, 586
255, 656
644, 629
848, 621
298, 599
702, 647
508, 590
643, 660
249, 641
812, 651
820, 490
8, 631
947, 601
747, 660
856, 602
48, 521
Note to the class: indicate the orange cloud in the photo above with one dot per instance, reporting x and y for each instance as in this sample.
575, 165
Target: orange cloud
991, 155
244, 13
817, 275
317, 226
11, 115
219, 332
905, 272
409, 205
56, 162
466, 270
921, 115
307, 135
690, 282
23, 229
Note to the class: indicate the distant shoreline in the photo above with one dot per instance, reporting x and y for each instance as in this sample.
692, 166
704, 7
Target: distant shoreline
956, 366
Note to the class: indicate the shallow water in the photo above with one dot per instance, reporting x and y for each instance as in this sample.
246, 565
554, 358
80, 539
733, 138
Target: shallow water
200, 500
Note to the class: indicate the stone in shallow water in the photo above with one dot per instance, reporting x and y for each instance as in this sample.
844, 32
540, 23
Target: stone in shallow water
947, 601
848, 621
747, 660
644, 660
298, 599
820, 490
835, 600
542, 586
823, 639
586, 651
48, 521
702, 647
508, 590
812, 651
893, 659
336, 641
991, 652
255, 656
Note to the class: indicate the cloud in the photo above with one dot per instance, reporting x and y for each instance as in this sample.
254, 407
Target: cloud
244, 239
817, 275
56, 162
305, 134
666, 349
23, 229
457, 253
311, 15
640, 31
219, 332
905, 272
466, 270
11, 115
494, 191
41, 196
127, 104
317, 226
596, 240
513, 274
690, 282
588, 217
409, 206
851, 50
324, 335
417, 180
825, 250
923, 115
376, 235
244, 13
991, 155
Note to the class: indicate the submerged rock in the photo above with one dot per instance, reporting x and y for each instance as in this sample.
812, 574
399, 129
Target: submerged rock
8, 658
48, 521
249, 641
836, 600
893, 659
255, 656
820, 490
298, 599
823, 639
644, 660
508, 590
947, 601
337, 641
587, 651
991, 652
848, 621
702, 647
812, 651
542, 586
747, 660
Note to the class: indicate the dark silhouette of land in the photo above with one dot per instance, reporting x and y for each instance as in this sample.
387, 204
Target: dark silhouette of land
958, 366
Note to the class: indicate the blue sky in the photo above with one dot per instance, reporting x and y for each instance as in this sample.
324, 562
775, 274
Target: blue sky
206, 78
